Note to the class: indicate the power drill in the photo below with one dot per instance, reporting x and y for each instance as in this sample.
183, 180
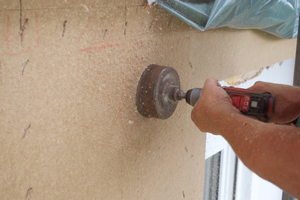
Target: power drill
251, 103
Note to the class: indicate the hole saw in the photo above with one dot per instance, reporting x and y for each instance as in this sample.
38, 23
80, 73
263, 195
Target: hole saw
158, 93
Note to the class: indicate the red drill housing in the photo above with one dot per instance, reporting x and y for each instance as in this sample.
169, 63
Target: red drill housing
253, 103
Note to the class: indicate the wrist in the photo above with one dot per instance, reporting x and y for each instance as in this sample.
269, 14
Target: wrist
234, 122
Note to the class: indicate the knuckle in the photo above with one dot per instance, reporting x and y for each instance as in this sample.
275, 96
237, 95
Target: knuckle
211, 79
259, 84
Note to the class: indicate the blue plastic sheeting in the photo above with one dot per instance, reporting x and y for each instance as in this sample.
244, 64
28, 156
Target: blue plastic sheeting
278, 17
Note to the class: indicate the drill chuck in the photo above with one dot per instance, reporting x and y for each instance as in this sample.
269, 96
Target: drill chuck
193, 95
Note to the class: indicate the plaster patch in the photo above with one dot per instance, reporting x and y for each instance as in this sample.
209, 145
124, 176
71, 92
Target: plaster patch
237, 80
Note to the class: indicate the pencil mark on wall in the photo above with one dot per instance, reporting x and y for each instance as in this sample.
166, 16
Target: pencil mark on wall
104, 34
151, 24
22, 31
20, 16
107, 46
84, 30
170, 21
24, 66
64, 28
99, 48
22, 25
97, 32
25, 132
28, 193
108, 43
186, 149
125, 28
126, 22
29, 48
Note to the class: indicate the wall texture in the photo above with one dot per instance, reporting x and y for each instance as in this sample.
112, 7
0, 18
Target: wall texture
69, 128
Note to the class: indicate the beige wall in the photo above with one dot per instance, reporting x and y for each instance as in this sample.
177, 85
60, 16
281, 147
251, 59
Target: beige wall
69, 128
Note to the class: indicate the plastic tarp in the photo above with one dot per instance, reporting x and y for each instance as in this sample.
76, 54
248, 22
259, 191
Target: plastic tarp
278, 17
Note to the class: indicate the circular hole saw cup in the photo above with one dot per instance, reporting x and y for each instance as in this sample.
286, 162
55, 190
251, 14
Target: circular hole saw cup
158, 92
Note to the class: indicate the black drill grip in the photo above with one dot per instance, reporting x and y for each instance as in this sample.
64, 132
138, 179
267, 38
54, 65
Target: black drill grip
193, 95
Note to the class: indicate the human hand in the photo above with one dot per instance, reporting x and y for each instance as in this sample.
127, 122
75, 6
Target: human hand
287, 100
213, 105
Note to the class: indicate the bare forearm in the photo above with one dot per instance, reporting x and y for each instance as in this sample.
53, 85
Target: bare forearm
271, 151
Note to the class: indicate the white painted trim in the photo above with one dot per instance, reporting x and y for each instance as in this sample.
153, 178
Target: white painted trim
227, 170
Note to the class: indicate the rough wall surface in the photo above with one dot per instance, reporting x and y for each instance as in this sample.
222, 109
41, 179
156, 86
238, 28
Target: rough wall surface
69, 128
